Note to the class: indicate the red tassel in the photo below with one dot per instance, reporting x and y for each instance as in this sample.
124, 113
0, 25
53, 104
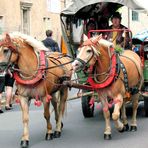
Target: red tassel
48, 98
17, 100
91, 102
37, 103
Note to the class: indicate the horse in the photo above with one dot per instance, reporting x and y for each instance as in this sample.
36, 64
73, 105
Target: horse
116, 76
39, 75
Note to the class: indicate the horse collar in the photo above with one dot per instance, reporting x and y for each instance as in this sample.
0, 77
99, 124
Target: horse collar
39, 75
110, 79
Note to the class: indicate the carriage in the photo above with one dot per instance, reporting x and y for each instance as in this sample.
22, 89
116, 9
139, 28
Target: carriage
140, 43
74, 20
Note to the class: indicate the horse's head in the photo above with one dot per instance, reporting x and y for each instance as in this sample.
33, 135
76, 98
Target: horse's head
8, 51
87, 53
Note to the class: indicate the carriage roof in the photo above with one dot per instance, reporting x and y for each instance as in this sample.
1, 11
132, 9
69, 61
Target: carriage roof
74, 6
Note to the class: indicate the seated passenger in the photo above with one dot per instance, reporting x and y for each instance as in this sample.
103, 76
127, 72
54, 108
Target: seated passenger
103, 25
91, 25
117, 36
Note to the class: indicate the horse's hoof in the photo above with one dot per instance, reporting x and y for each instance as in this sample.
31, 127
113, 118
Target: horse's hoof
49, 136
107, 137
57, 134
122, 130
126, 127
133, 128
24, 144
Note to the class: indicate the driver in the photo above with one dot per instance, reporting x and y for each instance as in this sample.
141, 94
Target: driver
117, 36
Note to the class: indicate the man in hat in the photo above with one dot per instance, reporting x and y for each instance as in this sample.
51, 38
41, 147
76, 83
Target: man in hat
117, 36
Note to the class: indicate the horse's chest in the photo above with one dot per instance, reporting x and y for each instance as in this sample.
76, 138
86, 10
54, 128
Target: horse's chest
31, 91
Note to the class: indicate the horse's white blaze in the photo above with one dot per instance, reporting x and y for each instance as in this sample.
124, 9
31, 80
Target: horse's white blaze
75, 65
84, 55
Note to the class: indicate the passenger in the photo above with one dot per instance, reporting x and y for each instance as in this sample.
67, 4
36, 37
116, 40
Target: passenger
117, 36
103, 25
91, 25
50, 43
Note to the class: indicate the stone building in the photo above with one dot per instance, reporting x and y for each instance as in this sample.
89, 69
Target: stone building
134, 20
31, 16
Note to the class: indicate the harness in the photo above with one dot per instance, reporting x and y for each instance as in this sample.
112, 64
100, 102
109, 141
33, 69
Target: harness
40, 74
112, 73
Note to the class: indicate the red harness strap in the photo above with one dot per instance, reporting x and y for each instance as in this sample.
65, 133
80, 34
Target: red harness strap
37, 77
110, 78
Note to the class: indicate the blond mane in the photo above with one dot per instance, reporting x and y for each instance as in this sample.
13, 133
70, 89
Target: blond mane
37, 45
102, 42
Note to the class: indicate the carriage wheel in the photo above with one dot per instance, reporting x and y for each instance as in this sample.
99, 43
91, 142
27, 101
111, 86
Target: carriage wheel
146, 106
86, 109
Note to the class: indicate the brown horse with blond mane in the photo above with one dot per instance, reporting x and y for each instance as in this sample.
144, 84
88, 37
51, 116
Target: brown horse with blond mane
37, 76
114, 76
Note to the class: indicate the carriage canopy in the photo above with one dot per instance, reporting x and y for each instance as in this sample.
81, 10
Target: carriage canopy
78, 13
75, 5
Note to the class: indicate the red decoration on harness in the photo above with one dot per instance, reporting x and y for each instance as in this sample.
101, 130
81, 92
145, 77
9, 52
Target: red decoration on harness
109, 80
48, 98
37, 103
91, 102
37, 77
17, 100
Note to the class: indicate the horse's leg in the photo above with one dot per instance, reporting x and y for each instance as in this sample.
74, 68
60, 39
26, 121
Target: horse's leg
55, 101
106, 113
134, 116
25, 117
61, 109
49, 134
118, 101
124, 117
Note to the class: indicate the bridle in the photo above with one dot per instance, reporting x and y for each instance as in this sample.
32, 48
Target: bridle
12, 48
91, 44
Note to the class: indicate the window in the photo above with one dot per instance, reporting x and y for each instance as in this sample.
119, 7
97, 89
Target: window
1, 24
135, 16
25, 16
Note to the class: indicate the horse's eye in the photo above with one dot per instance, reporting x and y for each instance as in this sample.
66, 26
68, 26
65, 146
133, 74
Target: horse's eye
5, 51
89, 51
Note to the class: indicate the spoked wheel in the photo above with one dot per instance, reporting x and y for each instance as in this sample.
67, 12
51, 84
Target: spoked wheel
87, 110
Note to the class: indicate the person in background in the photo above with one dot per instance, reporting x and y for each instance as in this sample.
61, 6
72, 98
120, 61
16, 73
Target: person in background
50, 43
6, 81
117, 36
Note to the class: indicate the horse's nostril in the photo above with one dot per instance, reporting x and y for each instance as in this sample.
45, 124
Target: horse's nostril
76, 64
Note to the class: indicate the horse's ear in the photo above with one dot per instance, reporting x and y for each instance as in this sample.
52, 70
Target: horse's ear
85, 38
8, 39
98, 37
